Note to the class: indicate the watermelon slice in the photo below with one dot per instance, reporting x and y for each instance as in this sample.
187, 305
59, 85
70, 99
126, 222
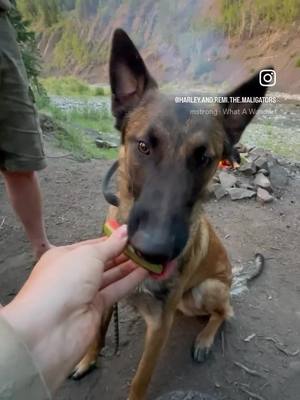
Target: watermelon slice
108, 228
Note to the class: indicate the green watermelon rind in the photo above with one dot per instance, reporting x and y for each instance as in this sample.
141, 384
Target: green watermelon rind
129, 251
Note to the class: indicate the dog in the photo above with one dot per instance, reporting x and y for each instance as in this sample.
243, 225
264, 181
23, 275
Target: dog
167, 157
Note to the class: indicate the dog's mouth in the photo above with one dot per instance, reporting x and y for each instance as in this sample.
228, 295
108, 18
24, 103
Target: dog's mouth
168, 269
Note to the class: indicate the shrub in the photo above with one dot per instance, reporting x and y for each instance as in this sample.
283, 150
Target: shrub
67, 86
99, 91
29, 50
239, 15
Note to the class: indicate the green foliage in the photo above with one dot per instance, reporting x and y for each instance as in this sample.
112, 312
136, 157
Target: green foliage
298, 62
29, 51
71, 86
72, 125
48, 12
269, 136
67, 86
99, 119
67, 5
28, 8
99, 91
81, 146
71, 46
242, 15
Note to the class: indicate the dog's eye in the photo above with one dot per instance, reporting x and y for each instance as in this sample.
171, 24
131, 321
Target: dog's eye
143, 147
200, 157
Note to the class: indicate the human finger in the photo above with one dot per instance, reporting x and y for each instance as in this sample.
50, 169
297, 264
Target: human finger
56, 251
114, 292
111, 247
116, 261
116, 273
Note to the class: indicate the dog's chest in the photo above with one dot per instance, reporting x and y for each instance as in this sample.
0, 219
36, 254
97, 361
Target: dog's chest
159, 290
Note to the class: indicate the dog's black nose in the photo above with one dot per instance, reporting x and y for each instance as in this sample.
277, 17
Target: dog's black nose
153, 248
155, 235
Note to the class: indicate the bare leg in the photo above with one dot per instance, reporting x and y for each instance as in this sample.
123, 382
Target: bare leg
24, 193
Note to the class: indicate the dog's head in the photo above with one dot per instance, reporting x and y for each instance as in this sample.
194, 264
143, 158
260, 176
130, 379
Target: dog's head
169, 151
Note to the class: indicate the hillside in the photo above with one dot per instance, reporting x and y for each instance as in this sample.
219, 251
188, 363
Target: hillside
206, 41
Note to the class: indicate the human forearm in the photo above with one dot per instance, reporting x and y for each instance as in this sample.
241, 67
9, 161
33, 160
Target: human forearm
19, 372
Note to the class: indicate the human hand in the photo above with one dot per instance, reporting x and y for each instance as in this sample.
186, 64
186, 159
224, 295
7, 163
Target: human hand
58, 311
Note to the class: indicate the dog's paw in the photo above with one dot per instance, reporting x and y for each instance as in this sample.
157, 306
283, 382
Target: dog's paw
200, 353
83, 368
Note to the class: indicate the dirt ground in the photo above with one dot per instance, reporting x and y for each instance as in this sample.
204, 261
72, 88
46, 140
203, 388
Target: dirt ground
74, 210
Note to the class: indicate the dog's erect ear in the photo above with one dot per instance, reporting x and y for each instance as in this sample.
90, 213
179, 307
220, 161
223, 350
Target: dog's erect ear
129, 77
236, 116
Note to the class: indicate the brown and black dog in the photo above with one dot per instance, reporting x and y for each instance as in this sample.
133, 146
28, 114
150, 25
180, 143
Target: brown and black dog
168, 155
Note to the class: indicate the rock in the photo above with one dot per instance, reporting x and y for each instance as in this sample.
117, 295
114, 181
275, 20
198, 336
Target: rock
247, 186
105, 144
279, 176
240, 193
261, 163
219, 191
249, 168
241, 148
47, 123
245, 182
263, 196
262, 181
264, 171
209, 192
185, 395
227, 180
216, 178
257, 152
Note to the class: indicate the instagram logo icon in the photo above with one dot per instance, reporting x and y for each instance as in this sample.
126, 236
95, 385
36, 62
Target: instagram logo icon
267, 77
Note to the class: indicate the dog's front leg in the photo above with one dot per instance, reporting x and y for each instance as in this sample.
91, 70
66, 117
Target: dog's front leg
158, 329
90, 359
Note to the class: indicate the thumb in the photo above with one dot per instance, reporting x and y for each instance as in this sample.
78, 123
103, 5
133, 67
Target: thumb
112, 246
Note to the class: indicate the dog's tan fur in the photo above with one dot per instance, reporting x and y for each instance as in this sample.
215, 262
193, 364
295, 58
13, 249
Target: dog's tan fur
201, 290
